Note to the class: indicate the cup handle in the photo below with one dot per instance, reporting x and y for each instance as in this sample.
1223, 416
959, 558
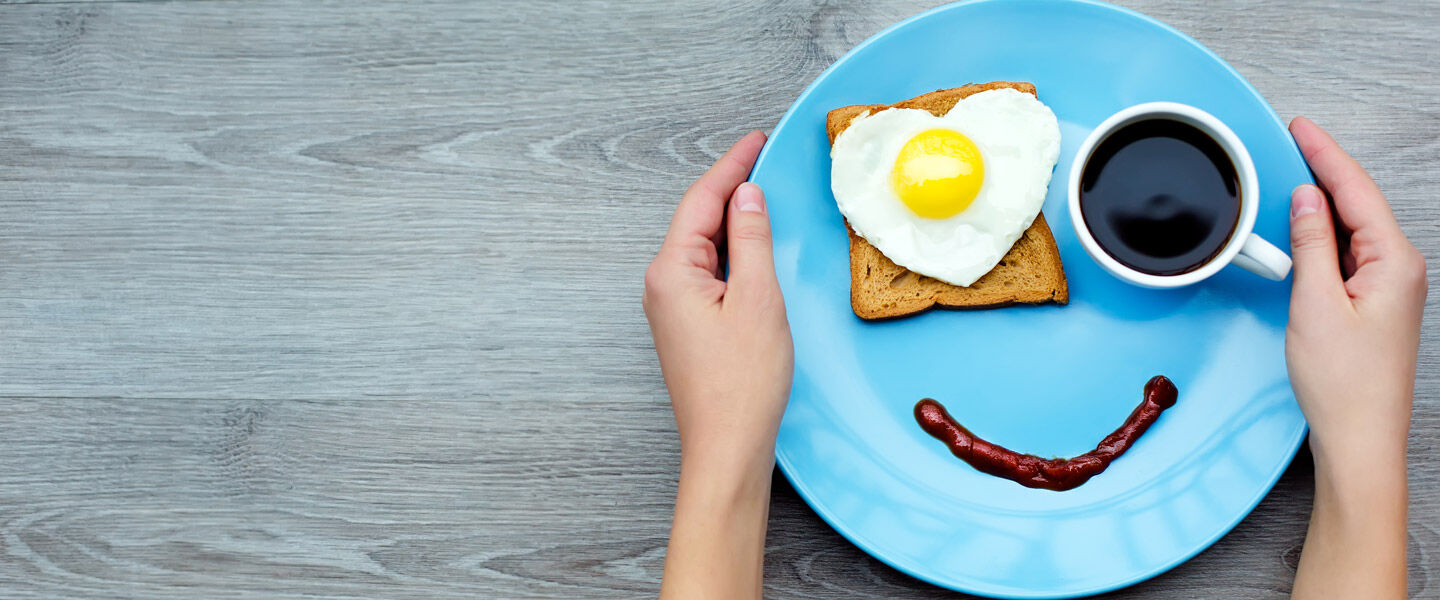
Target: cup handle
1262, 258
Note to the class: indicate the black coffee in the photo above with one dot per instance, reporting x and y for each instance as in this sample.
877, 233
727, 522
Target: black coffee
1160, 196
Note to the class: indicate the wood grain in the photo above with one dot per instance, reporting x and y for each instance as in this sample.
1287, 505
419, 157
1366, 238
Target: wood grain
294, 294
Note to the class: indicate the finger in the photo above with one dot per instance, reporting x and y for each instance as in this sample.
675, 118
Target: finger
1358, 200
752, 261
1312, 246
702, 209
701, 258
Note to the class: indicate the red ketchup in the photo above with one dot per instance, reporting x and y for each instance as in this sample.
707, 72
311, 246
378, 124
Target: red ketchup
1057, 474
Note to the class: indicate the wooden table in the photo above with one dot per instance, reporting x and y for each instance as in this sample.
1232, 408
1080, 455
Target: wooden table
341, 299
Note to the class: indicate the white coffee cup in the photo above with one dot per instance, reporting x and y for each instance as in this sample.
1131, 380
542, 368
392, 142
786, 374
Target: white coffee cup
1244, 249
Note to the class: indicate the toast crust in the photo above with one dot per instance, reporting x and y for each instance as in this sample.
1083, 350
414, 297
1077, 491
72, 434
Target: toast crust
1030, 273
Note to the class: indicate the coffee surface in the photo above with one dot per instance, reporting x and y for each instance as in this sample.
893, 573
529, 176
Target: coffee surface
1160, 196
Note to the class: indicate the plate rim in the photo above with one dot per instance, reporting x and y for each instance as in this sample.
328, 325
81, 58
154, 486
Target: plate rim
976, 587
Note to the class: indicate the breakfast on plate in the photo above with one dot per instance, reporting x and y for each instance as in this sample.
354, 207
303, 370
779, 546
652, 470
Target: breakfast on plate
942, 196
1058, 474
1041, 475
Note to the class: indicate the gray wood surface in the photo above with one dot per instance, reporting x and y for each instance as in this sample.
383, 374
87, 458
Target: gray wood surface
340, 299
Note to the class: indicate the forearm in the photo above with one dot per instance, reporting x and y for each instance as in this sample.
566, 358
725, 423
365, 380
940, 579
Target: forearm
1355, 547
717, 540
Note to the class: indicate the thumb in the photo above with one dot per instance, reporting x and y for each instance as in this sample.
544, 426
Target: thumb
1312, 244
752, 262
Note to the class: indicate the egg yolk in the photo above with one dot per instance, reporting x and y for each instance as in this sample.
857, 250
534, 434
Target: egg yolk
938, 173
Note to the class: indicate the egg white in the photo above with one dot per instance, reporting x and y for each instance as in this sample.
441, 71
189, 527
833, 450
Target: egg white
1019, 142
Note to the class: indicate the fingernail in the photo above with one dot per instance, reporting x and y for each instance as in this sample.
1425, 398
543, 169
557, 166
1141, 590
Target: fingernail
1305, 200
749, 199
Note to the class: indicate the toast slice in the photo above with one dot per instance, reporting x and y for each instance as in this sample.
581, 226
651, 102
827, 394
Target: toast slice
1030, 273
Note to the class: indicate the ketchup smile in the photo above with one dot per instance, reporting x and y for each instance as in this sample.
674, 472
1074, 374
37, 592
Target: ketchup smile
1057, 474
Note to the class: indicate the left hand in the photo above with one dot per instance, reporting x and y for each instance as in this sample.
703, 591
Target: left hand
724, 348
724, 344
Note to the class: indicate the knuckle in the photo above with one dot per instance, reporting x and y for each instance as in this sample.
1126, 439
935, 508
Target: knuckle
1357, 185
762, 294
695, 187
1309, 238
1417, 259
752, 232
733, 162
654, 284
772, 303
1414, 267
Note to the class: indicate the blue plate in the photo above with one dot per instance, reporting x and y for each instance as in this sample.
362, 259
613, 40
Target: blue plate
1045, 380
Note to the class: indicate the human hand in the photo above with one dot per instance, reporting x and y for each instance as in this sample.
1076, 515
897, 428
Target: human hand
724, 345
1354, 327
726, 355
1350, 345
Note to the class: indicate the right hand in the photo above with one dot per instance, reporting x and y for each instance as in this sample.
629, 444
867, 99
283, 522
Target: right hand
1355, 310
